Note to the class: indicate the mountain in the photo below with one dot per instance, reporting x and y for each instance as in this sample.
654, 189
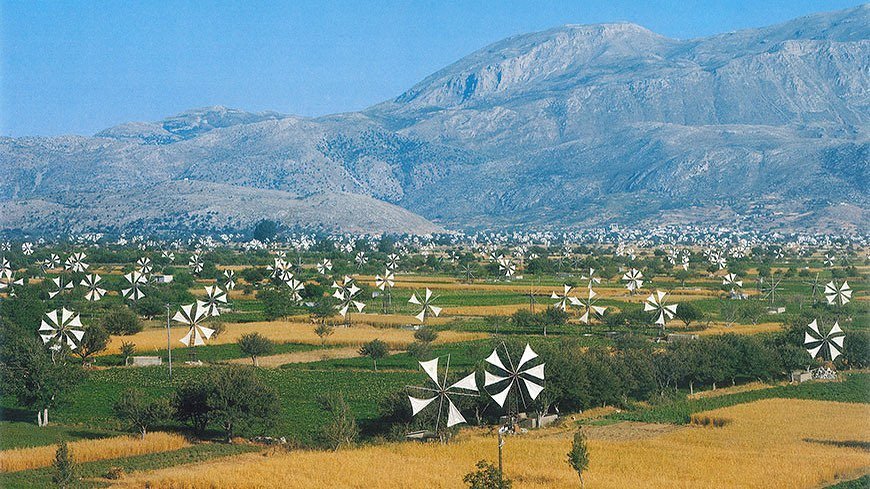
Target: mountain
575, 126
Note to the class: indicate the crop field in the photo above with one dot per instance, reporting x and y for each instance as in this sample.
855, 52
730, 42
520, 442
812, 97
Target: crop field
614, 373
789, 432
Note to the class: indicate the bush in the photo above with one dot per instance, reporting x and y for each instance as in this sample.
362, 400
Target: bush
255, 345
121, 321
139, 412
375, 349
341, 428
63, 468
486, 477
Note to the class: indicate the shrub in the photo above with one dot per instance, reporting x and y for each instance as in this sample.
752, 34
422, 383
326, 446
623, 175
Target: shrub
486, 477
63, 469
121, 321
139, 412
375, 349
341, 428
255, 345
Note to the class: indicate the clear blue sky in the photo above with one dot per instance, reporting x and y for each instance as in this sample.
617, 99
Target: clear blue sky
76, 67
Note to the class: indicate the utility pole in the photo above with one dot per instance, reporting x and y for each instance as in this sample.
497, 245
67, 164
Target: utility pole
168, 341
500, 444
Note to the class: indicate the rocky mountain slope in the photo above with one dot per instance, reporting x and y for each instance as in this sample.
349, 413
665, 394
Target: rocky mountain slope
574, 126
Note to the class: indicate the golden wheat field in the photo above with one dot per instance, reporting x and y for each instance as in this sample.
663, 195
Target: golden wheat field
721, 328
298, 332
91, 450
775, 443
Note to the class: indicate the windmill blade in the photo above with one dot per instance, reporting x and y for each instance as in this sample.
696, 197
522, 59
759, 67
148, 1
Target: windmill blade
490, 379
838, 340
815, 327
435, 310
418, 405
415, 300
431, 369
835, 329
186, 339
528, 354
422, 316
469, 382
815, 350
808, 338
454, 417
494, 360
834, 351
537, 371
533, 388
502, 396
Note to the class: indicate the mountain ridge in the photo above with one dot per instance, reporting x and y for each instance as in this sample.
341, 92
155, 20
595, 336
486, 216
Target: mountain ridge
570, 127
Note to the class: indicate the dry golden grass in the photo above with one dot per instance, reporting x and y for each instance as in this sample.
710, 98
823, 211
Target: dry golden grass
766, 444
503, 309
720, 328
91, 450
302, 356
751, 386
300, 331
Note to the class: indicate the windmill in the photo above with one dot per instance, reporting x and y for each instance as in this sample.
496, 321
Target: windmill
532, 294
345, 293
144, 266
59, 285
425, 300
392, 262
296, 288
53, 261
816, 285
466, 386
468, 271
7, 280
229, 280
27, 248
386, 283
564, 299
167, 255
770, 289
360, 259
587, 303
214, 297
634, 280
839, 295
733, 281
815, 342
324, 266
590, 278
135, 279
61, 327
830, 258
92, 283
195, 262
663, 312
281, 270
525, 382
76, 262
506, 266
192, 315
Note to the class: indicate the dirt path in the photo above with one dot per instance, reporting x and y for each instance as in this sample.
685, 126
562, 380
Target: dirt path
303, 356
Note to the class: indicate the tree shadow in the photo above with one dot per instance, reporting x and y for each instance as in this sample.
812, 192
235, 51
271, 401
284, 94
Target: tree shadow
863, 445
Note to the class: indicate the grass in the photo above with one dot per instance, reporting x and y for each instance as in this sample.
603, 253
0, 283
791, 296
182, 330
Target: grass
23, 434
859, 483
206, 353
91, 450
768, 430
855, 389
90, 405
93, 474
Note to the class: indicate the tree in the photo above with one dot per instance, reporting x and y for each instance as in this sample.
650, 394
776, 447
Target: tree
63, 467
682, 276
255, 345
322, 310
425, 335
486, 477
139, 412
324, 331
238, 400
190, 404
276, 302
578, 457
128, 349
375, 349
265, 230
96, 339
36, 378
688, 313
121, 321
341, 428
